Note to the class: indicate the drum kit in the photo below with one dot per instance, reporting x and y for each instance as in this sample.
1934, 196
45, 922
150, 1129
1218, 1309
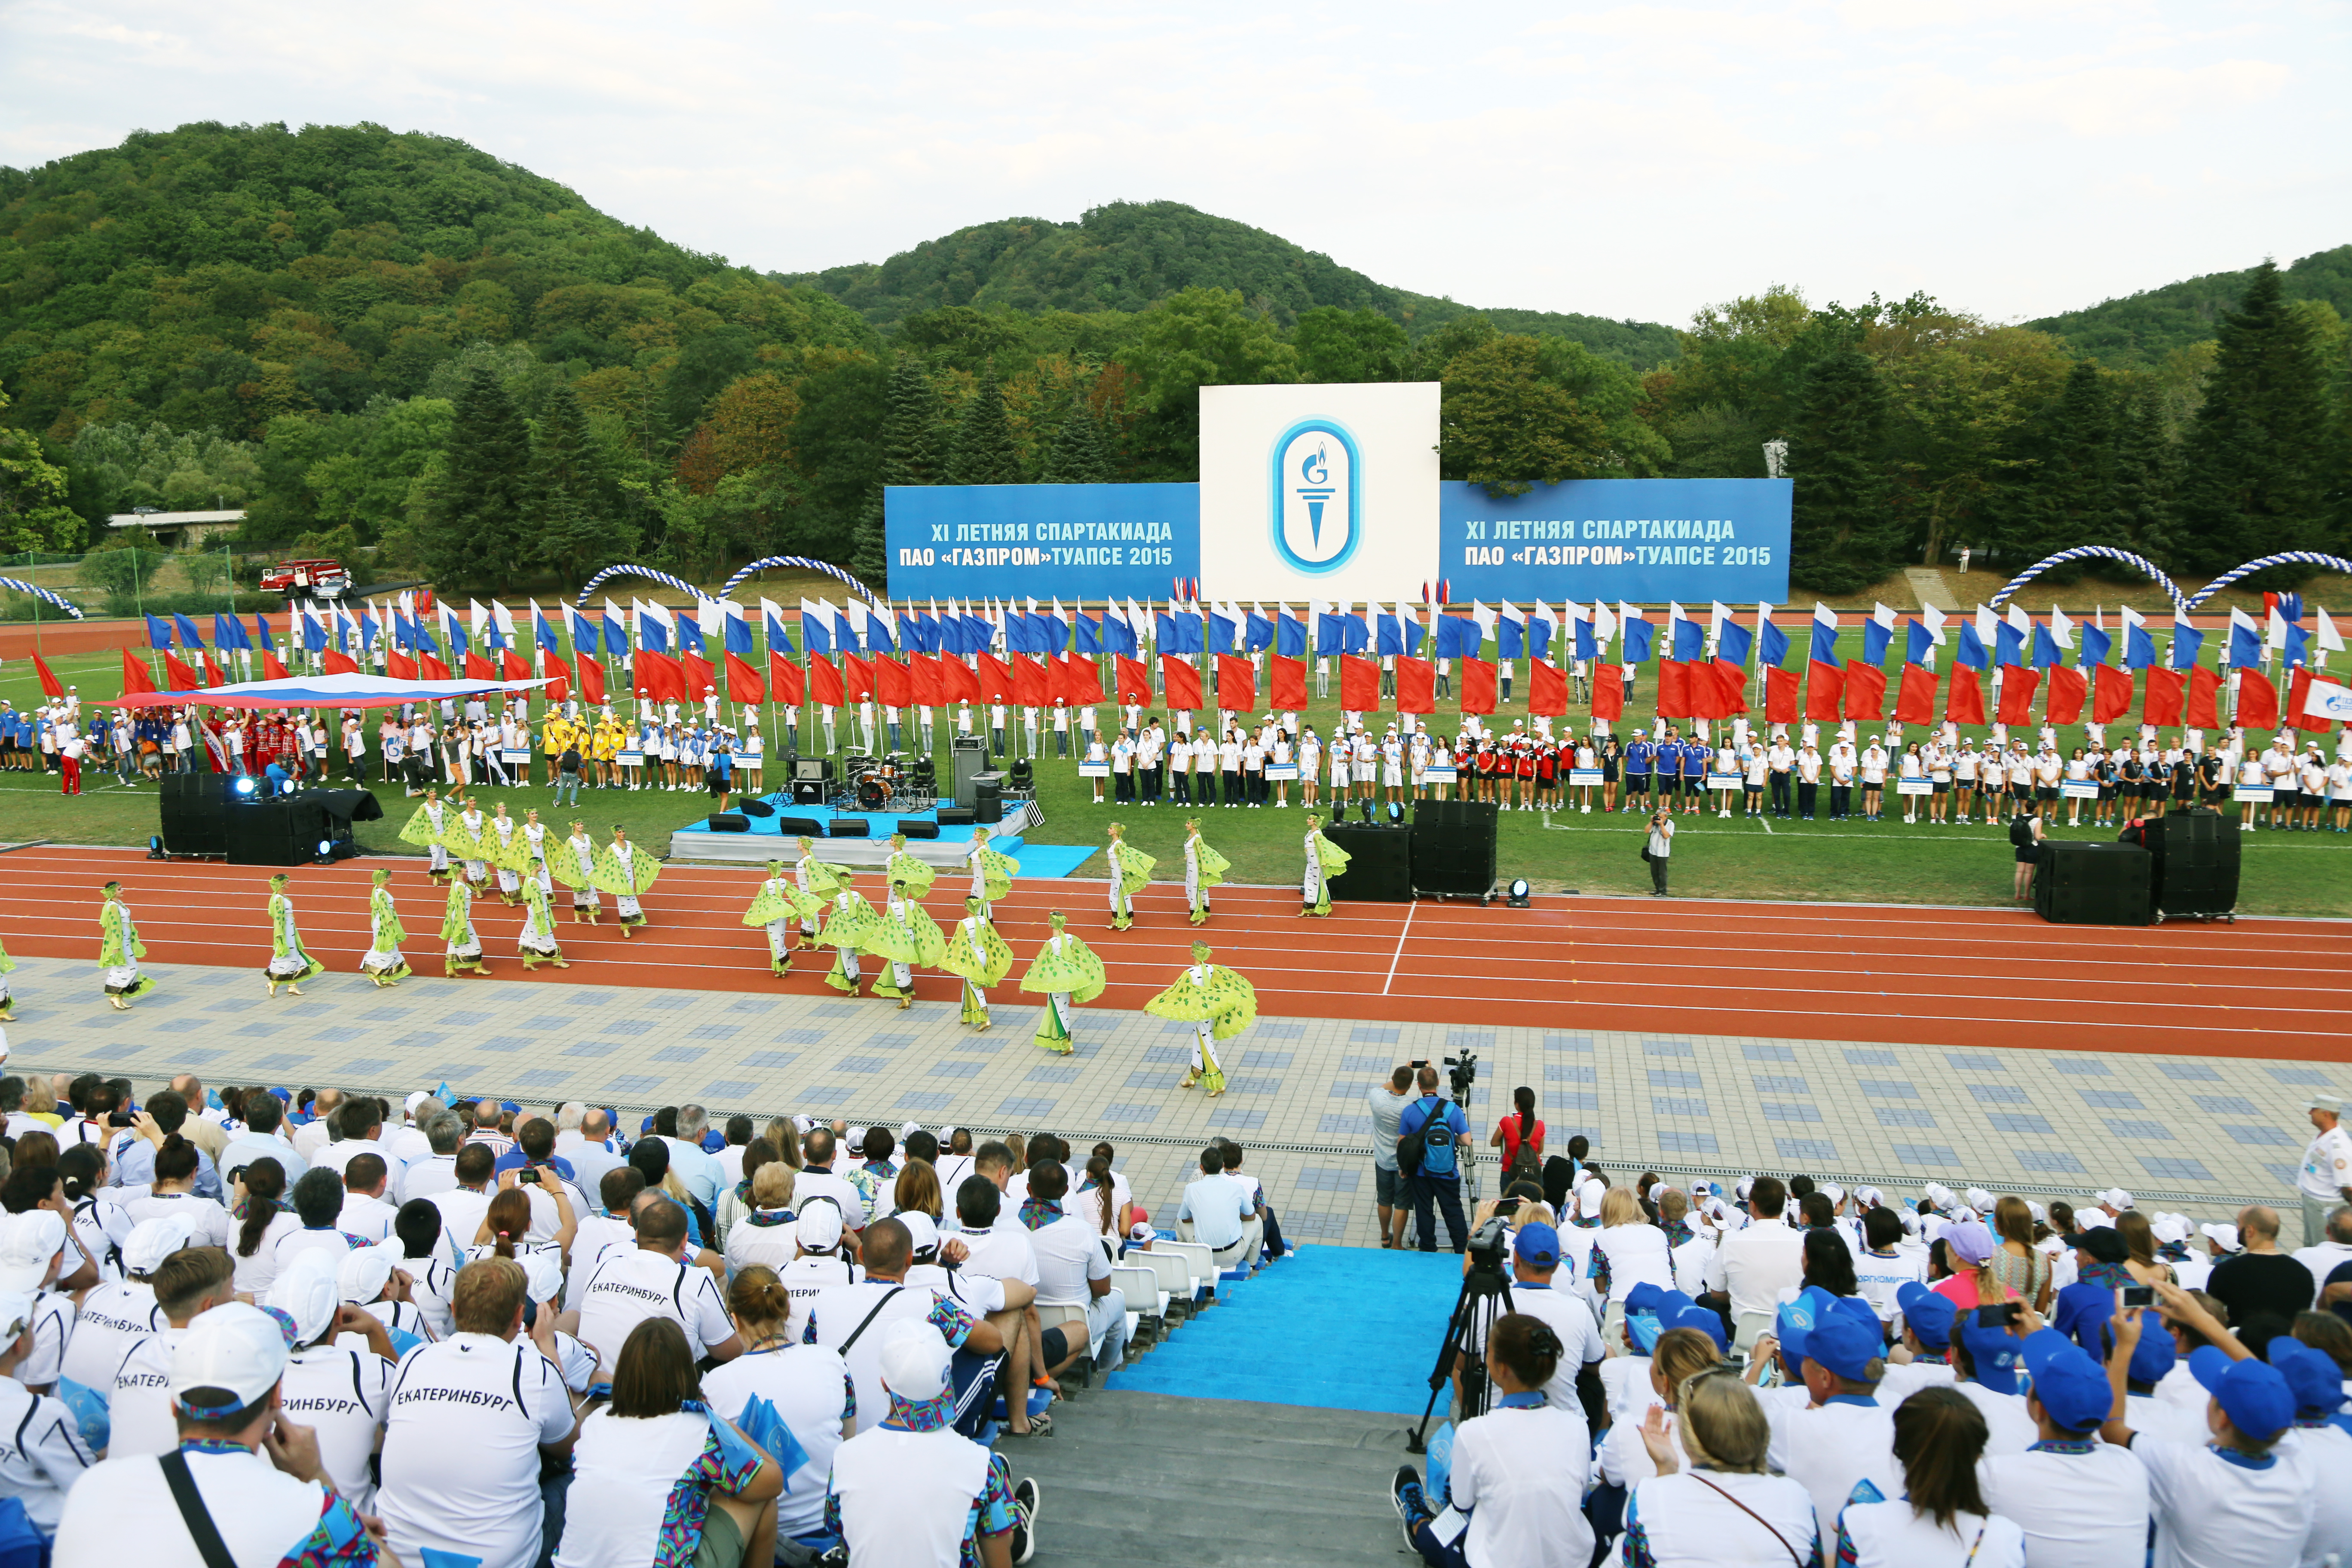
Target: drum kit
885, 783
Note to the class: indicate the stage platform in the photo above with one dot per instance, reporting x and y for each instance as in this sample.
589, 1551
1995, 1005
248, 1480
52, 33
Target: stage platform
767, 841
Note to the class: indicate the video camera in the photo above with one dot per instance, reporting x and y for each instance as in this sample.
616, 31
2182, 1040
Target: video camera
1489, 1245
1462, 1071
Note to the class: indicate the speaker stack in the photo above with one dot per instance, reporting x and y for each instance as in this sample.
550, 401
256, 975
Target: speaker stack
1380, 864
2193, 865
2094, 884
195, 809
729, 822
987, 798
1454, 846
919, 827
848, 828
800, 826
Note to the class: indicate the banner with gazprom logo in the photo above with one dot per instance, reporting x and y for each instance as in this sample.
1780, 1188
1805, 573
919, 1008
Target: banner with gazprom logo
1646, 541
1079, 542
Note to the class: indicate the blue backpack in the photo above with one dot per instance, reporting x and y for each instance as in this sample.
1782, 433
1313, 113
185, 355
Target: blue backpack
1428, 1150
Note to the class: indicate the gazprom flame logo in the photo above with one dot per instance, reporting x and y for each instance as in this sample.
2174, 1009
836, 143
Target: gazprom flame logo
1317, 513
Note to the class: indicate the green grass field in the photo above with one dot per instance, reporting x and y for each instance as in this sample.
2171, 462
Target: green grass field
1886, 862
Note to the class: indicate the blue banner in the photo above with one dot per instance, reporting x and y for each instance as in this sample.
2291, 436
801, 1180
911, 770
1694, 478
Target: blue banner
1641, 541
1080, 542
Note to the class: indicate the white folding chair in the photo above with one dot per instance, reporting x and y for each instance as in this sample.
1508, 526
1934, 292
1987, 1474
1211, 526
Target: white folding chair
1146, 1302
1175, 1279
1199, 1262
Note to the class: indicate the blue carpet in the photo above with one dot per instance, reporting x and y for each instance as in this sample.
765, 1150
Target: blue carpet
1050, 860
1340, 1327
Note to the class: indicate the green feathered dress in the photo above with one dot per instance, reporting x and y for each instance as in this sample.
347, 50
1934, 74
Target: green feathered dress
1131, 872
846, 927
1325, 860
991, 873
119, 951
1203, 868
980, 969
384, 957
904, 933
905, 867
463, 943
1213, 995
1066, 972
625, 882
466, 845
779, 906
290, 962
428, 830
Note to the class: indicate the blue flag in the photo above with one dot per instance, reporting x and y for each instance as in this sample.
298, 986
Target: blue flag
1587, 648
1412, 636
1734, 642
2298, 647
1220, 634
542, 632
816, 634
2007, 644
1090, 638
228, 632
1824, 642
1257, 632
2139, 648
616, 636
1971, 651
652, 633
877, 635
1776, 644
187, 629
1387, 636
2093, 651
2187, 643
1290, 636
1875, 639
1510, 638
1539, 639
1637, 641
780, 637
261, 631
735, 631
690, 635
2045, 645
1355, 635
1119, 636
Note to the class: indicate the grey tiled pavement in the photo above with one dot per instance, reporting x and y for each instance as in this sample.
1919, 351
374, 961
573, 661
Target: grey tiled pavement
2201, 1134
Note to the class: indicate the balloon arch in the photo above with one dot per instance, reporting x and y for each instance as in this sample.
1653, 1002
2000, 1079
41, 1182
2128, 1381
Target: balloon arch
37, 592
2088, 551
654, 575
649, 573
2284, 557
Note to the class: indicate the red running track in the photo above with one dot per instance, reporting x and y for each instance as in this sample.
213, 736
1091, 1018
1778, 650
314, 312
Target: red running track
1958, 977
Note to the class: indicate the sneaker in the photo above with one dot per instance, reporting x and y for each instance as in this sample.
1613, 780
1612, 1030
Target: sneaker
1411, 1506
1024, 1520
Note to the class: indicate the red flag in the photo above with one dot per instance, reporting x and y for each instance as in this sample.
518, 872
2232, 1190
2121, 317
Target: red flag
1077, 679
2166, 690
856, 678
2258, 706
177, 676
1416, 683
659, 676
2111, 694
996, 679
1674, 690
2204, 698
824, 680
1865, 691
892, 682
743, 682
136, 678
1965, 705
1182, 683
1237, 683
786, 680
930, 683
961, 681
1609, 691
213, 676
1914, 703
339, 663
517, 668
1546, 688
480, 668
1730, 689
591, 681
2300, 685
559, 682
1478, 686
1360, 684
1134, 680
397, 664
699, 676
1289, 679
429, 668
1779, 696
1030, 687
2017, 684
2067, 690
50, 686
1824, 691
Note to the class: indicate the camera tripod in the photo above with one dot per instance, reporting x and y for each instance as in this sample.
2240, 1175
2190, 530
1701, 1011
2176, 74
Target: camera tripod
1484, 1286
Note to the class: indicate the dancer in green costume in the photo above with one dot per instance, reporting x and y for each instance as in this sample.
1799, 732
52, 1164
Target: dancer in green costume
904, 936
119, 951
775, 908
7, 1001
904, 868
849, 920
1203, 868
976, 953
382, 963
1218, 1003
624, 870
429, 829
1325, 860
288, 964
463, 943
537, 943
1130, 869
992, 871
819, 880
1067, 971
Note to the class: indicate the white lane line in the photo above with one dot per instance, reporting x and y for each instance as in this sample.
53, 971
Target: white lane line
1404, 931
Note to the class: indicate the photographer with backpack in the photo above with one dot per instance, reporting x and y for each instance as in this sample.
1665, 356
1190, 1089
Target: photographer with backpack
1429, 1153
2025, 838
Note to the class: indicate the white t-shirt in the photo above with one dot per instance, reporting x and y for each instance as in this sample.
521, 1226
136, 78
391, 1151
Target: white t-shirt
810, 1186
342, 1390
461, 1448
1830, 1450
1519, 1473
42, 1454
1877, 1278
906, 1497
804, 1279
206, 1218
1001, 1252
2213, 1513
1686, 1520
1069, 1254
1755, 1264
598, 1235
1894, 1534
810, 1389
462, 1209
2077, 1510
255, 1274
850, 1312
625, 1470
113, 1317
774, 1246
1572, 1320
124, 1513
2327, 1167
627, 1288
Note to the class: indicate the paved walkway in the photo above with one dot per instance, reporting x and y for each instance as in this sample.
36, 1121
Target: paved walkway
2181, 1131
1928, 586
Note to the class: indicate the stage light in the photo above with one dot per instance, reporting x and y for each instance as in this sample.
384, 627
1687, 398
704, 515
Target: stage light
1518, 899
1396, 813
326, 848
154, 846
245, 786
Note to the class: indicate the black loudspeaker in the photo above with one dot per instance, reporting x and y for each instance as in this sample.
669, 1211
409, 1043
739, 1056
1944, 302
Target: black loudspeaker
848, 828
1380, 864
1454, 846
811, 769
264, 833
729, 822
2193, 863
800, 826
2093, 884
988, 799
194, 810
756, 808
955, 816
919, 827
806, 791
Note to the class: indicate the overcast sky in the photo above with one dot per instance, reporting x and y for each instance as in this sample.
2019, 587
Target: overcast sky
2011, 158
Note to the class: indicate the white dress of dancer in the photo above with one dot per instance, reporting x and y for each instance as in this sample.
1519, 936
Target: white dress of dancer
537, 936
120, 977
439, 814
508, 881
1310, 888
781, 933
281, 922
801, 875
475, 870
626, 904
583, 850
979, 876
536, 834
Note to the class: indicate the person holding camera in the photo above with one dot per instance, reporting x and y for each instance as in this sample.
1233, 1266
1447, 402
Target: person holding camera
1429, 1148
1535, 1254
1659, 846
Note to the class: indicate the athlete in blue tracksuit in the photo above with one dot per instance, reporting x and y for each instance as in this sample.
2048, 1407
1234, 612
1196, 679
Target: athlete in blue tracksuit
1696, 756
1638, 752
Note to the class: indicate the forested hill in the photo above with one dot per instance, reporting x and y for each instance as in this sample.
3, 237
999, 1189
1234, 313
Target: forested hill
2138, 330
1130, 256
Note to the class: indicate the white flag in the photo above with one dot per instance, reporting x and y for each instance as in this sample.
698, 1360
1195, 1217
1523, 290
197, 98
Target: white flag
2020, 621
2062, 629
1933, 619
1988, 627
2277, 636
2329, 637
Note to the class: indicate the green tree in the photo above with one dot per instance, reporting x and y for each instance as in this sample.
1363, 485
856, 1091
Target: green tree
570, 519
908, 454
2255, 478
473, 532
1077, 455
1196, 338
984, 444
32, 511
2062, 490
1504, 425
1341, 346
1838, 542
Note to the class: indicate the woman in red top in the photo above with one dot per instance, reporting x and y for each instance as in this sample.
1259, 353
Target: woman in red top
1511, 1132
1526, 769
1548, 778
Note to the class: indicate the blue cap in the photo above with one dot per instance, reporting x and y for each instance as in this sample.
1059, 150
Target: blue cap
1795, 1320
1841, 1332
287, 1095
510, 1107
1644, 1327
1644, 1297
2251, 1393
2156, 1354
1538, 1244
1705, 1319
1993, 1353
2071, 1385
2311, 1377
1927, 1313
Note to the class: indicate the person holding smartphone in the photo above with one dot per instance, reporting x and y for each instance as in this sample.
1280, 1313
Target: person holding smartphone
1661, 844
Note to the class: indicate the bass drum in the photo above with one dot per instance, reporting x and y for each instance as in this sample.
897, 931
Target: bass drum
872, 794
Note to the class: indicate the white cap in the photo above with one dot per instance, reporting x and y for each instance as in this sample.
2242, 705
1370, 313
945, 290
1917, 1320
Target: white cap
233, 1347
28, 1241
305, 1291
367, 1270
1832, 1191
1979, 1199
2226, 1235
2115, 1198
1589, 1193
922, 1235
1910, 1218
414, 1100
2037, 1211
907, 1130
152, 1240
818, 1228
542, 1274
1869, 1197
2171, 1227
914, 1359
15, 1316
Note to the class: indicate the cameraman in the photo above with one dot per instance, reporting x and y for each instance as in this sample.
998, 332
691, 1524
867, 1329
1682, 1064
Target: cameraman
1660, 846
1535, 1256
1429, 1153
